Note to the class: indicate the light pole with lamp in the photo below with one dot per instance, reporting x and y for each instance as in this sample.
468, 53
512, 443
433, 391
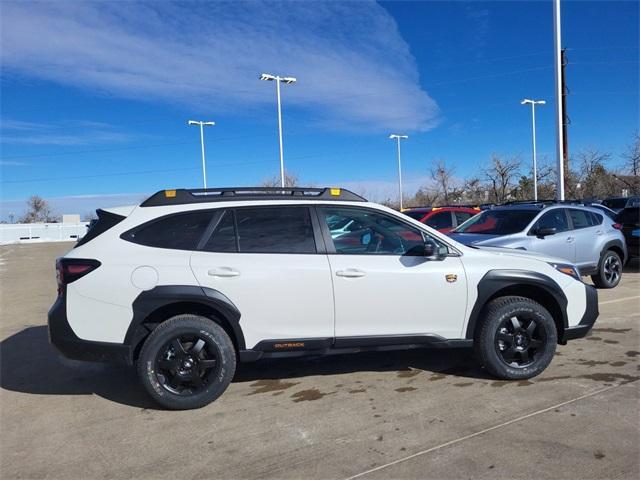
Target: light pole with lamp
288, 81
204, 164
533, 134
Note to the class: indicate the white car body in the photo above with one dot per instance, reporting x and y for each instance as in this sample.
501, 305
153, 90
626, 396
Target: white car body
345, 300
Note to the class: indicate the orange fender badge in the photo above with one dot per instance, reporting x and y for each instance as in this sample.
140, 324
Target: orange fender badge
451, 277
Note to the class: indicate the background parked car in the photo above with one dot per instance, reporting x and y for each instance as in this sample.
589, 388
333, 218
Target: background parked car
618, 203
581, 235
443, 219
629, 218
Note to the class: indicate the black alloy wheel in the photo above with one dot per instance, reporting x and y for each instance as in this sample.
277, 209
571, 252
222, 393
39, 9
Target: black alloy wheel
519, 341
187, 363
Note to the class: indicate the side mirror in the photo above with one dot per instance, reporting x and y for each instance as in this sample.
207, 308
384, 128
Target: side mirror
545, 232
427, 250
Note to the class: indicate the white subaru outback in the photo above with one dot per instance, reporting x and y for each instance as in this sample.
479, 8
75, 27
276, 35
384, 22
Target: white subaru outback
192, 281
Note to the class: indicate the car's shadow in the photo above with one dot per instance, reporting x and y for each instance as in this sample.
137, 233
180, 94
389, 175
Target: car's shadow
29, 364
632, 266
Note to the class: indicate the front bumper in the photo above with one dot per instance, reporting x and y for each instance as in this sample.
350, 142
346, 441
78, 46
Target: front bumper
68, 344
588, 319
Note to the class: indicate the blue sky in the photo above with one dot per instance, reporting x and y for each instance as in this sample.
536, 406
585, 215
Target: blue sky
96, 96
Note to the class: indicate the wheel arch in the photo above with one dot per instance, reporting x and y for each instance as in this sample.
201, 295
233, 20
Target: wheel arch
152, 307
522, 283
614, 245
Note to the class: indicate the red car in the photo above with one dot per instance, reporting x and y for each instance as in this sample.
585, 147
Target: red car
443, 219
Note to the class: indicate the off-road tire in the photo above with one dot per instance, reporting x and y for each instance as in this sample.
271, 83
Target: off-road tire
494, 326
218, 350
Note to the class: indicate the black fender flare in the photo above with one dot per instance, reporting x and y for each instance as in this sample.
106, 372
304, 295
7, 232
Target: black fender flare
149, 301
497, 280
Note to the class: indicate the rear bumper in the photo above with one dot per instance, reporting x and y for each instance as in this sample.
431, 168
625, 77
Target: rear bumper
588, 319
68, 344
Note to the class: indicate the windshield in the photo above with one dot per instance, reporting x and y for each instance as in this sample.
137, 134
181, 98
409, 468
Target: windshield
615, 202
498, 222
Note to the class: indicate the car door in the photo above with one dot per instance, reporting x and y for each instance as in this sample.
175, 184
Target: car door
383, 286
265, 260
562, 243
586, 230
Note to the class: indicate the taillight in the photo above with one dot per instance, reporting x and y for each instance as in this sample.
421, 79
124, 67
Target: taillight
617, 226
71, 269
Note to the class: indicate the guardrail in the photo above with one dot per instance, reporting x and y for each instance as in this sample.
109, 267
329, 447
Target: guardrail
41, 232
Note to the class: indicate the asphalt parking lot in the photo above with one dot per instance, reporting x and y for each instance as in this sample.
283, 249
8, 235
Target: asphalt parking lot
410, 414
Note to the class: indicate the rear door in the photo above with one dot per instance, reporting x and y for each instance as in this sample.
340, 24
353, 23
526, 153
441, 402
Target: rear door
267, 262
586, 228
562, 243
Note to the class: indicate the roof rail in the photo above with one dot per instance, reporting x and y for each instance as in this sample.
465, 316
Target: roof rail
183, 196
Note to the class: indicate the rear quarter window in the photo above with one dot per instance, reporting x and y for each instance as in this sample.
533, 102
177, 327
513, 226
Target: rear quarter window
181, 231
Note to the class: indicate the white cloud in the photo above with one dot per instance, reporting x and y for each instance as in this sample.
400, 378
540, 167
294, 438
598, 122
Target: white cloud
354, 68
68, 133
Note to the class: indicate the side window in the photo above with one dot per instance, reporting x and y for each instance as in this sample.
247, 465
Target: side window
579, 218
275, 230
377, 234
555, 218
440, 220
595, 218
223, 238
462, 217
181, 231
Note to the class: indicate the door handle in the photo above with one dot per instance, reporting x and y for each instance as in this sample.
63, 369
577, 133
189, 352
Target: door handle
223, 272
350, 273
570, 239
599, 232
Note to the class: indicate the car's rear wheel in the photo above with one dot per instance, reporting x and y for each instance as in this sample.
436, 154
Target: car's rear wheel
609, 271
517, 338
187, 362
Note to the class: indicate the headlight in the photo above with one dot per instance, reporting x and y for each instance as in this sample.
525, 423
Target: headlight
567, 270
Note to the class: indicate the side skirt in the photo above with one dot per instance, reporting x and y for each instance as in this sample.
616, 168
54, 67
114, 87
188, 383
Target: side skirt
342, 345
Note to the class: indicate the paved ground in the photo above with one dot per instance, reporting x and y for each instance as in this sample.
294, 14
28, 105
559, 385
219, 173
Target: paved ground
417, 414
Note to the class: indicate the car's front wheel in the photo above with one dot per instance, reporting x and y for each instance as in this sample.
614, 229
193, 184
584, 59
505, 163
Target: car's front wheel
609, 271
187, 362
517, 338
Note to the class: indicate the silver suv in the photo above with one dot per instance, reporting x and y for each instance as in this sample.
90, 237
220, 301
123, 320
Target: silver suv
582, 235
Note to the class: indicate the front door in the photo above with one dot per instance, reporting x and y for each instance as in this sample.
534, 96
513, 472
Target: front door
264, 260
562, 244
383, 285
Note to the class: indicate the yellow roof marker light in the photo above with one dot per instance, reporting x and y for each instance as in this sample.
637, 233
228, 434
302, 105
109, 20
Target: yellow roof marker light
170, 193
335, 192
434, 209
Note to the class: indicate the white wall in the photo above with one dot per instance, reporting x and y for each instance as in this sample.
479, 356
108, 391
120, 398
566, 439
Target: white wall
41, 232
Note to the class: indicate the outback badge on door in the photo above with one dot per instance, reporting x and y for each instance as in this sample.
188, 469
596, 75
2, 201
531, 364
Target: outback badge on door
451, 277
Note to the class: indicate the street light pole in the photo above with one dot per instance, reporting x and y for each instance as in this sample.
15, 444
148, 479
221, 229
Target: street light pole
396, 137
533, 135
204, 163
557, 37
287, 80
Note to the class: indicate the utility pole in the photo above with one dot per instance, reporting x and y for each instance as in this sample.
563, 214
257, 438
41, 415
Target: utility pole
204, 163
288, 81
394, 136
557, 35
533, 141
565, 116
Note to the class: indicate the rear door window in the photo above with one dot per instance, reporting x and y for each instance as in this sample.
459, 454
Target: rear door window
181, 231
275, 230
462, 217
440, 220
580, 219
224, 238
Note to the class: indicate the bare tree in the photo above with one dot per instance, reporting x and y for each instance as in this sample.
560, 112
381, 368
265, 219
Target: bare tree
442, 175
632, 156
592, 177
290, 180
424, 197
38, 210
501, 175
